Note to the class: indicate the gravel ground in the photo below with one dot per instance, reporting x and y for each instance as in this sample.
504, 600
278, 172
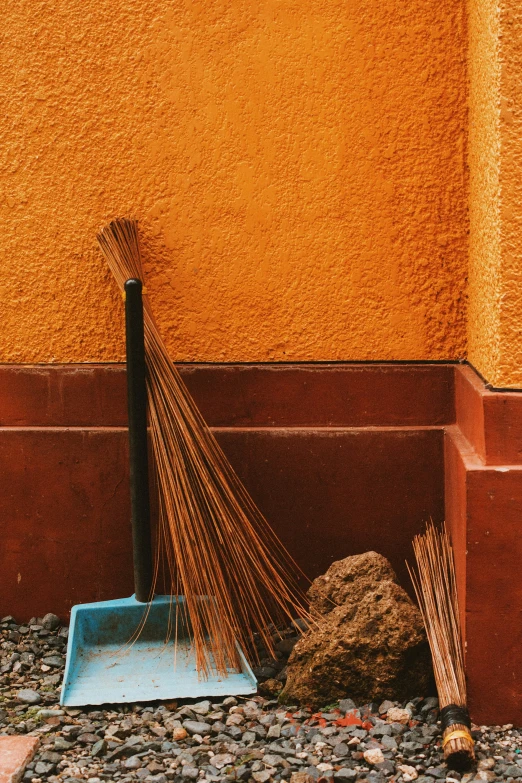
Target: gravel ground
238, 739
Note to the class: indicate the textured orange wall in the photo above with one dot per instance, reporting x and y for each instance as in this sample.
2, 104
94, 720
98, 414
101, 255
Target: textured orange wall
495, 158
298, 170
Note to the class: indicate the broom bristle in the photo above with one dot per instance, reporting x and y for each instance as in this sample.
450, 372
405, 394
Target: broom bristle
436, 590
236, 576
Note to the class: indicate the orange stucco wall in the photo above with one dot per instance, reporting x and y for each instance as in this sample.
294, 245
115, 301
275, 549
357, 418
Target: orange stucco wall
495, 158
298, 170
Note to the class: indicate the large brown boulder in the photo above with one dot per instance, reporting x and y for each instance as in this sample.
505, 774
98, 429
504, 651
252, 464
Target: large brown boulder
368, 643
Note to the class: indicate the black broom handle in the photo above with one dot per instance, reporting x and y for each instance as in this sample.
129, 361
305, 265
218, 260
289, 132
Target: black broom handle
139, 471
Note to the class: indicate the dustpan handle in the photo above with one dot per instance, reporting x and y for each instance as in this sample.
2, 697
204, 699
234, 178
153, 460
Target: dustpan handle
138, 458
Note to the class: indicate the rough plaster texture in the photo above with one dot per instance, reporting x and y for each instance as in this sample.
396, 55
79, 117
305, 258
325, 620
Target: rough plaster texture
298, 171
495, 160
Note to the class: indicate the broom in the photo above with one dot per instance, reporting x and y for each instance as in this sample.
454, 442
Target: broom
235, 574
436, 591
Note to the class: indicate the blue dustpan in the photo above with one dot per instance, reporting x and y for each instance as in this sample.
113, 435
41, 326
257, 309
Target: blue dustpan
102, 667
107, 661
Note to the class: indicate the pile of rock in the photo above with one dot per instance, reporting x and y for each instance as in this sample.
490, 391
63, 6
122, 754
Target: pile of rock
367, 643
368, 640
251, 740
32, 658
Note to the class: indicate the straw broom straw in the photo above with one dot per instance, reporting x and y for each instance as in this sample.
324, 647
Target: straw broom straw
235, 574
436, 591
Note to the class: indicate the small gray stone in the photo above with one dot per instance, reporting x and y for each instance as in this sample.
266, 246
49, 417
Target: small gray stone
433, 772
99, 748
52, 679
61, 744
55, 661
513, 771
221, 760
290, 730
411, 748
50, 622
346, 705
341, 749
272, 760
197, 727
430, 703
274, 732
397, 729
386, 766
29, 696
51, 756
261, 777
264, 673
201, 708
359, 733
43, 768
87, 738
381, 730
192, 773
133, 763
345, 774
260, 731
388, 743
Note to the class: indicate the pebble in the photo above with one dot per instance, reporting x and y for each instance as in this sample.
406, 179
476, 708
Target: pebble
262, 776
179, 733
301, 777
53, 661
29, 696
373, 756
201, 708
231, 740
196, 727
222, 760
99, 748
132, 763
50, 622
345, 773
398, 715
408, 773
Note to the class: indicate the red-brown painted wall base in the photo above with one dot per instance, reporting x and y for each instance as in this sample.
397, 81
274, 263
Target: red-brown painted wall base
483, 498
244, 395
340, 458
65, 509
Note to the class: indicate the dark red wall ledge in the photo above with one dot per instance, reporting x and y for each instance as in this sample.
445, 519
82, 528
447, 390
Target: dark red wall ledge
341, 458
241, 395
